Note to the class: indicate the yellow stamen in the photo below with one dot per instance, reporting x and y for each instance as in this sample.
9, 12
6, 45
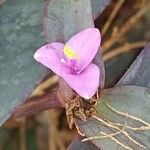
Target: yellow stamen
70, 53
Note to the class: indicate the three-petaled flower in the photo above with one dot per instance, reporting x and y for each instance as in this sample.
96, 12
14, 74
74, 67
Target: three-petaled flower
73, 61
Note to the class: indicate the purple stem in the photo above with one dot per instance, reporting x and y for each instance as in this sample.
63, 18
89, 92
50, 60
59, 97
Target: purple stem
38, 104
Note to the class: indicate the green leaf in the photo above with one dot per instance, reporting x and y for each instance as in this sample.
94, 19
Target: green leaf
130, 100
139, 72
121, 63
63, 20
77, 144
21, 34
98, 6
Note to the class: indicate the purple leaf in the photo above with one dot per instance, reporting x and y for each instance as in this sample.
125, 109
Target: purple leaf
63, 20
20, 36
121, 99
139, 72
98, 6
77, 144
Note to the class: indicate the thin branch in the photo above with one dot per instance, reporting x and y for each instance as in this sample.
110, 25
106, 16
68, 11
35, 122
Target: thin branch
22, 129
40, 90
112, 16
31, 107
123, 49
124, 29
52, 121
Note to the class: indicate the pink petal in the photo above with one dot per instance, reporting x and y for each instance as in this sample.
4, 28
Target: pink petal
86, 83
85, 44
50, 55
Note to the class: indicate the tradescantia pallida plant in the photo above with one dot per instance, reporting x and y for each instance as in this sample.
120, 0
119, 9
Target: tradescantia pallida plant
22, 33
114, 125
121, 118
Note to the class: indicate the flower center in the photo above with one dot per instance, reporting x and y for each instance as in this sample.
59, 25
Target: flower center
72, 65
71, 62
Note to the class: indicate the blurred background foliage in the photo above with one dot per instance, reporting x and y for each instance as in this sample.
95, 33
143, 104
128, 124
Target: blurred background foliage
49, 129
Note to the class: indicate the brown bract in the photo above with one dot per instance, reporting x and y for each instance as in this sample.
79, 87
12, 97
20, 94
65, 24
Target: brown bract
77, 108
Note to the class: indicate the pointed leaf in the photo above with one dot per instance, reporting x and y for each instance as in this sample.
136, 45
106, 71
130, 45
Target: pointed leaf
139, 72
98, 6
121, 99
20, 36
77, 144
63, 20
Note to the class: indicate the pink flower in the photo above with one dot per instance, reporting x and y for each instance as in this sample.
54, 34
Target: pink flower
73, 61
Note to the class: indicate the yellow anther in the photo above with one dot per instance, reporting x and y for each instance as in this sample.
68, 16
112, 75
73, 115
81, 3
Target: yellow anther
70, 53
